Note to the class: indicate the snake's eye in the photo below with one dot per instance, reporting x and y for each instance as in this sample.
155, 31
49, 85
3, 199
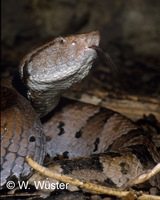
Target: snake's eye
61, 40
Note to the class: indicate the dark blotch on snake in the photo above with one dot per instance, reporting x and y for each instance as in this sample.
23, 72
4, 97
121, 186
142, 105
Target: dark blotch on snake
78, 134
96, 144
65, 154
140, 150
109, 182
32, 139
60, 126
124, 168
91, 163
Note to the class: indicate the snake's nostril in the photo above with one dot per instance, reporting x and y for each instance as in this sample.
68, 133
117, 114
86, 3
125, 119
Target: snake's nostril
32, 139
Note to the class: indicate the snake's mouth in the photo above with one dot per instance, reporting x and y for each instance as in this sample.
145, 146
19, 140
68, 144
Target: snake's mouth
92, 38
104, 57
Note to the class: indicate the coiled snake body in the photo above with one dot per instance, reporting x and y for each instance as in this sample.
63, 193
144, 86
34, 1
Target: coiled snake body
121, 149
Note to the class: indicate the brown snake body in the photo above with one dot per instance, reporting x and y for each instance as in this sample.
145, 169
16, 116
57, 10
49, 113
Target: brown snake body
121, 149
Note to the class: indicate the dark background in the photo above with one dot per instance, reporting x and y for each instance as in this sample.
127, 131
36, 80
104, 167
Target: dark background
130, 32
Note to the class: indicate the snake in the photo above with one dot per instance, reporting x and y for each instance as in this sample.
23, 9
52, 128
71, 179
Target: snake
88, 142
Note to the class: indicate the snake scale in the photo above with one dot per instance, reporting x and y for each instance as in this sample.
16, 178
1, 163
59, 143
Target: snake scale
101, 145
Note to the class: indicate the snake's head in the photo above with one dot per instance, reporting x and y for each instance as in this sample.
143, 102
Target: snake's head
60, 59
57, 65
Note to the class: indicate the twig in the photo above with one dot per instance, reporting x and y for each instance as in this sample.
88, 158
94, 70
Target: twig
126, 195
143, 177
85, 185
147, 176
148, 197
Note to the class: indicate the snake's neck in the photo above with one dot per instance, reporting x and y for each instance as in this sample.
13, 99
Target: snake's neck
43, 101
45, 96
